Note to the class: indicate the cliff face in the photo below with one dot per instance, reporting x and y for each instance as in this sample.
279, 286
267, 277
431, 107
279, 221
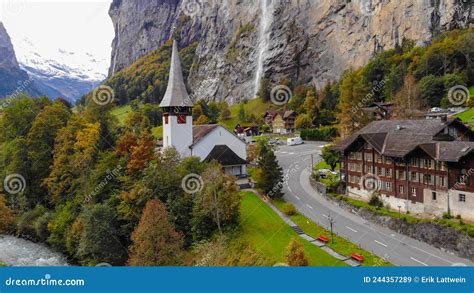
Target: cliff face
7, 54
13, 80
241, 41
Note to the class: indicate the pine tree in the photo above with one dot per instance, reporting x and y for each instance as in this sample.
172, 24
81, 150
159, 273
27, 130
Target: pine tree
155, 241
270, 174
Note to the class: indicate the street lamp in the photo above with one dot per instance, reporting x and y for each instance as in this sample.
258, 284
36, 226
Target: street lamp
331, 223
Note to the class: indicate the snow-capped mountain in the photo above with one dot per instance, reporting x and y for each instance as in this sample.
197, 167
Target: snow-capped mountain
61, 72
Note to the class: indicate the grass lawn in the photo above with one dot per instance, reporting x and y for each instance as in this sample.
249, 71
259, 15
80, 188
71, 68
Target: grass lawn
256, 107
340, 245
269, 235
121, 113
324, 165
467, 116
471, 90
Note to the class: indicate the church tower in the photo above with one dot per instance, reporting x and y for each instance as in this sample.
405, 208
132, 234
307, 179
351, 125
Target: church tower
177, 110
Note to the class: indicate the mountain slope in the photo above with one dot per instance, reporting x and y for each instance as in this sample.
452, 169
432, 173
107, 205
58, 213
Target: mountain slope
311, 42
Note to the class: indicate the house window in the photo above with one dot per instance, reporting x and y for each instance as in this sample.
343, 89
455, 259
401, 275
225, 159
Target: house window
433, 194
401, 188
389, 173
462, 197
413, 191
388, 186
369, 157
181, 119
413, 162
414, 177
388, 161
166, 119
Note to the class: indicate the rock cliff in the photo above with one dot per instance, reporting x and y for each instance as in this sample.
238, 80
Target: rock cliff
309, 41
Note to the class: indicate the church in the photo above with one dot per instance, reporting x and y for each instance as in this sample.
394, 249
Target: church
210, 142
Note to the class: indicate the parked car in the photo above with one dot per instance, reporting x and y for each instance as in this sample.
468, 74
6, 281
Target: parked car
274, 142
294, 141
322, 173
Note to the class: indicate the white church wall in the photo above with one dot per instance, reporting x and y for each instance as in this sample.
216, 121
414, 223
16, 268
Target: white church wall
182, 137
219, 136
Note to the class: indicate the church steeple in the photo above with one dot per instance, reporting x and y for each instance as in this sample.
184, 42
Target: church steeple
177, 110
176, 94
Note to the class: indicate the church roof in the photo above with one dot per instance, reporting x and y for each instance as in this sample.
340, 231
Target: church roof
200, 131
225, 156
176, 94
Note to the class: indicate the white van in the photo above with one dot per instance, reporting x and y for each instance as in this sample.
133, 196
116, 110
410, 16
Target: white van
294, 141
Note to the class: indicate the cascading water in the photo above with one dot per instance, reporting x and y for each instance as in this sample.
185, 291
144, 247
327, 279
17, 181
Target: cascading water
266, 19
20, 252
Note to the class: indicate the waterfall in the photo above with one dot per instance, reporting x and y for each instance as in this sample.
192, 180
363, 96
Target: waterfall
266, 19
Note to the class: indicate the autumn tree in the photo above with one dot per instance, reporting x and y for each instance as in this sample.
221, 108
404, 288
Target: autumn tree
216, 207
352, 99
40, 142
142, 153
155, 241
303, 121
7, 218
203, 119
295, 255
408, 100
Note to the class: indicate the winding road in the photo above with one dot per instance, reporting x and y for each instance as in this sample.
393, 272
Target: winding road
394, 247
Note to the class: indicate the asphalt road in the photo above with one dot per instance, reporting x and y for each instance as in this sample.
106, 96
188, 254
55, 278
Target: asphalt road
394, 247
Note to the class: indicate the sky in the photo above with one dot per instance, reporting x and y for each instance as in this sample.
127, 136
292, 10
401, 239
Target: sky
53, 27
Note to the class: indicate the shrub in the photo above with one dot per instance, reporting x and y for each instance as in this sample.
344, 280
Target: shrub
375, 200
26, 222
7, 218
289, 209
325, 133
447, 216
41, 226
295, 255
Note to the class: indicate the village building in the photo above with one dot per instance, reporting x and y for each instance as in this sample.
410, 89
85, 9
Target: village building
209, 142
281, 122
417, 166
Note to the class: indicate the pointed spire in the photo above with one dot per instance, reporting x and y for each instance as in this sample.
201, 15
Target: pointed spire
176, 94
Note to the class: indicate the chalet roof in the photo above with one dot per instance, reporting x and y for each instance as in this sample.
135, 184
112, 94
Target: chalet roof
176, 94
225, 156
397, 138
